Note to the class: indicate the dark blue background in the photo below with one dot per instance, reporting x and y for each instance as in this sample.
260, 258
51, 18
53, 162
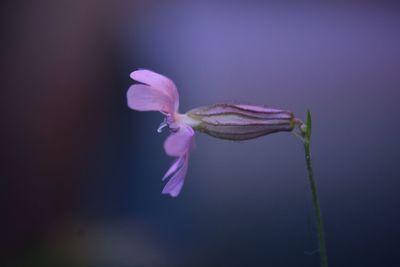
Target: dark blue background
81, 173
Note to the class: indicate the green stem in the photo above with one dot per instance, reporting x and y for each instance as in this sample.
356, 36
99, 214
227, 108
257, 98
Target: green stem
317, 209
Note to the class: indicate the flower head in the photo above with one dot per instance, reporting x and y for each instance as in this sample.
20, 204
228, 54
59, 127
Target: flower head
158, 93
226, 121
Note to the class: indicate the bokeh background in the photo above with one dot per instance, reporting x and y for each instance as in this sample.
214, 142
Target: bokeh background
81, 173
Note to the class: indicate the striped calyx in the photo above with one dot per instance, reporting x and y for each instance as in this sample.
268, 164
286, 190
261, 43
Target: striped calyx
240, 122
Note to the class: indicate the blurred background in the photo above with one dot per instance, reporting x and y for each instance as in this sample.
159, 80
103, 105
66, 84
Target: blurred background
81, 172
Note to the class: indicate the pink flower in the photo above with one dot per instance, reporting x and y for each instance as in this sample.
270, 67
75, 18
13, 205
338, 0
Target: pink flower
158, 93
226, 121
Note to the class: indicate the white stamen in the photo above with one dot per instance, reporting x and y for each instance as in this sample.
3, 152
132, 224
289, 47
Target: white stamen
162, 126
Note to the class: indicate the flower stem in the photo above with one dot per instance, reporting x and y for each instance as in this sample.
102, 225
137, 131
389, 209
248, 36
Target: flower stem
317, 209
306, 138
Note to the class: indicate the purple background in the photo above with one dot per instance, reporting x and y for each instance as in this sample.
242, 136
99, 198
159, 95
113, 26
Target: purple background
81, 173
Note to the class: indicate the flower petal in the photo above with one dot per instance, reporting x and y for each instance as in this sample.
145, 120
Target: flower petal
174, 185
180, 142
174, 167
158, 82
145, 98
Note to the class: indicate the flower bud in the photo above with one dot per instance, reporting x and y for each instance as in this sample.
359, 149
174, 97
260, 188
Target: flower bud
240, 122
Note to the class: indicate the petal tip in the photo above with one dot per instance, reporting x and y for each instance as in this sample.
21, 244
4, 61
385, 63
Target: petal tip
133, 74
173, 191
170, 194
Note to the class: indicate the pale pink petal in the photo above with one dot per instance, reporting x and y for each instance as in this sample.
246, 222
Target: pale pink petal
158, 82
174, 185
180, 142
145, 98
174, 192
174, 167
